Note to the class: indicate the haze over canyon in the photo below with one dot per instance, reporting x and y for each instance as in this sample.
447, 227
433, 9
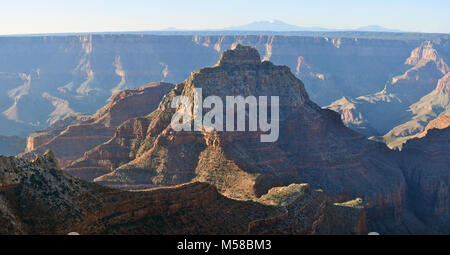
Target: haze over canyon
364, 141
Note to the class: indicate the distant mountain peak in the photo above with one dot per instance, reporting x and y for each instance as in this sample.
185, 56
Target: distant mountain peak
266, 25
377, 28
278, 25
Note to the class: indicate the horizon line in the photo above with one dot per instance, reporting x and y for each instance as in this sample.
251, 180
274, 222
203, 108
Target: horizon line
170, 30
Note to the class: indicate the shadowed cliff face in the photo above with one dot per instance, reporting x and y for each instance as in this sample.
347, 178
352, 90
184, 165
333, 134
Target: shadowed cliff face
71, 137
47, 78
38, 198
314, 146
425, 162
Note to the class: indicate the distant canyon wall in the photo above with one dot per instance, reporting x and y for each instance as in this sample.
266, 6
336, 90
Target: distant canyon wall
43, 79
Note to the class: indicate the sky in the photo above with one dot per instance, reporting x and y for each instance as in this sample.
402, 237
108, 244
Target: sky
65, 16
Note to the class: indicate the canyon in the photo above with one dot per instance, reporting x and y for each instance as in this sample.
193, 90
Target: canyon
335, 178
406, 104
52, 77
314, 147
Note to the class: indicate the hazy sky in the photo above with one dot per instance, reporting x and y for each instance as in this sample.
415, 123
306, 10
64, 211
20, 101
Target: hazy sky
50, 16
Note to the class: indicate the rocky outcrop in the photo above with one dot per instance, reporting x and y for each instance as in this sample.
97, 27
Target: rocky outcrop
440, 122
314, 146
71, 137
307, 212
38, 198
395, 138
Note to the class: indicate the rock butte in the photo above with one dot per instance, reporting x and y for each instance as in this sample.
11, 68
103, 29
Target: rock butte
314, 146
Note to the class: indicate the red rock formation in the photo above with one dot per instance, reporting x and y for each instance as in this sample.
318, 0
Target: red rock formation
443, 85
82, 135
33, 142
440, 122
